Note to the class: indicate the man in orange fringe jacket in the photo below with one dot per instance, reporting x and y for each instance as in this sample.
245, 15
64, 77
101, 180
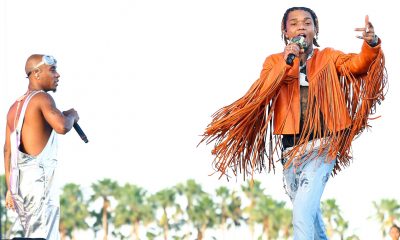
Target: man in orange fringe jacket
305, 109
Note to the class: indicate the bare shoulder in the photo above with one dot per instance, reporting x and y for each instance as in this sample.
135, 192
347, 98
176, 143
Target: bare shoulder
42, 98
44, 104
11, 115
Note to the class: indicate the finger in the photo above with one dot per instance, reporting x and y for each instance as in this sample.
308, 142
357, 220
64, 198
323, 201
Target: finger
295, 48
364, 37
360, 29
367, 21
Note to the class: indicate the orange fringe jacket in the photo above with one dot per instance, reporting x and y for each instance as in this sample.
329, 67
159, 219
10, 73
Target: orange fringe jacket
343, 90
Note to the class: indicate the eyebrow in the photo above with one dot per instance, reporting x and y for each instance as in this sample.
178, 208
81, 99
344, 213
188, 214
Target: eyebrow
295, 19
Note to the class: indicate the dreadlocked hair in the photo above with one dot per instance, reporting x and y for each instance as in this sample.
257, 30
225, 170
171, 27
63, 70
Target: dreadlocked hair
313, 16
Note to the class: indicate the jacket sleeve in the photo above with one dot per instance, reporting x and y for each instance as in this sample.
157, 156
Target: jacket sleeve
239, 130
275, 72
357, 64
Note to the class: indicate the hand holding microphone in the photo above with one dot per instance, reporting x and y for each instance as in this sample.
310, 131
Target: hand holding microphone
78, 129
294, 47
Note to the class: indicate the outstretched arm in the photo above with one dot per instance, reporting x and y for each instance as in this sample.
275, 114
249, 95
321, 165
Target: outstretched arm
359, 64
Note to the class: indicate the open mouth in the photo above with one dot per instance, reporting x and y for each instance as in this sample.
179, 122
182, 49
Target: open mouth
303, 35
302, 40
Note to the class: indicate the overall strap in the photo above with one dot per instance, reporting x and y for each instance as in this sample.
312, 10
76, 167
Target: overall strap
23, 110
15, 142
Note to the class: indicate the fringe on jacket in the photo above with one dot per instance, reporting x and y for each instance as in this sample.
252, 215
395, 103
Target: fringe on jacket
243, 133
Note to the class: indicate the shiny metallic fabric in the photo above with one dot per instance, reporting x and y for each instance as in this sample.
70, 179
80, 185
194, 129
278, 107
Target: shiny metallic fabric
32, 186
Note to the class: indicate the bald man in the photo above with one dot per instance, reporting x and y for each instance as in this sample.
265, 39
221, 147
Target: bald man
394, 232
30, 149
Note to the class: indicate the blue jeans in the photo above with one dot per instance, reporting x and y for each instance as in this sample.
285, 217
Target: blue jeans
305, 185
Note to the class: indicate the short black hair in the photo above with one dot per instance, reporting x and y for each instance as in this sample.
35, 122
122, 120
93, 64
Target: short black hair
313, 16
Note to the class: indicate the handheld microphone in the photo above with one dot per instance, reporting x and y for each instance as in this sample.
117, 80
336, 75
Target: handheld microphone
78, 129
299, 40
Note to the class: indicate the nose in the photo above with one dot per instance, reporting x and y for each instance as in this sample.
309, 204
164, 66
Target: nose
302, 26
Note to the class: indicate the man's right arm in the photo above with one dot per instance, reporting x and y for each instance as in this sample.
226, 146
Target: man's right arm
274, 73
7, 163
7, 156
61, 122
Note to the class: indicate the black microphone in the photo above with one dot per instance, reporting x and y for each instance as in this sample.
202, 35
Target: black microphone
78, 129
299, 40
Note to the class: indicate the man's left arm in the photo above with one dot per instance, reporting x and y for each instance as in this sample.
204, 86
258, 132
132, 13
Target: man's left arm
360, 63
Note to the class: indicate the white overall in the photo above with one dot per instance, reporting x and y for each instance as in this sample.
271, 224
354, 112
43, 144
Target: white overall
32, 177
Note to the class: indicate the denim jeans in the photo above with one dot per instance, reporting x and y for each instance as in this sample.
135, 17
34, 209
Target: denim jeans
305, 184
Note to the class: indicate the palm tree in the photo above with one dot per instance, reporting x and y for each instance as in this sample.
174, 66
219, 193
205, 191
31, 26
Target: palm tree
3, 212
222, 207
3, 191
104, 189
164, 199
6, 224
73, 210
253, 191
387, 210
235, 209
285, 216
267, 212
132, 208
229, 208
331, 212
192, 192
203, 215
336, 224
341, 226
275, 218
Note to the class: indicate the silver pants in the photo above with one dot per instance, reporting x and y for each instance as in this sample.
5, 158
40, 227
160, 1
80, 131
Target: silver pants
35, 200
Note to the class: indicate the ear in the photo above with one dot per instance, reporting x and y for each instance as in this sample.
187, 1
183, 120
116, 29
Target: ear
37, 74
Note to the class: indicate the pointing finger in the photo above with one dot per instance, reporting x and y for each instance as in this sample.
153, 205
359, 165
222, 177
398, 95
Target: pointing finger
366, 21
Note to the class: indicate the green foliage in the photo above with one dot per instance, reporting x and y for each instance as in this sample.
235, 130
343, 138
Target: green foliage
133, 208
180, 211
335, 223
386, 212
229, 212
164, 200
253, 192
104, 190
74, 210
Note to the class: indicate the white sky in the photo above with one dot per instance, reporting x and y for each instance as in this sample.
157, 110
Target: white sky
145, 77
